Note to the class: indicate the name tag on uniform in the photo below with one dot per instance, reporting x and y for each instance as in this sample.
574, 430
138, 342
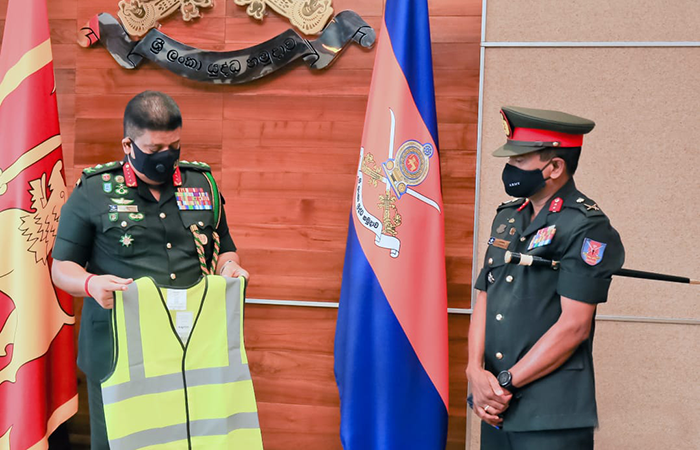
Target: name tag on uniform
123, 208
500, 243
192, 199
543, 237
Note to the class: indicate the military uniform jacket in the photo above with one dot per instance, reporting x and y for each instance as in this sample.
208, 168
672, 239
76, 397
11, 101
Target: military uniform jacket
524, 302
112, 224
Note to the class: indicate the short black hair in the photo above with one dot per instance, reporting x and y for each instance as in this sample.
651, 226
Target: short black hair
570, 155
153, 111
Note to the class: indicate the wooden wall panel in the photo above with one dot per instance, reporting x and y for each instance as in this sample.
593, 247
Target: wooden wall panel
284, 150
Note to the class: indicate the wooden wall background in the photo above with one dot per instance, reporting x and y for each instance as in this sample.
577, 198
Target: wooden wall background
284, 151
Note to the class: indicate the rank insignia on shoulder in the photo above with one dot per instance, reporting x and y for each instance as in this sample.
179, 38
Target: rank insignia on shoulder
592, 251
543, 237
192, 199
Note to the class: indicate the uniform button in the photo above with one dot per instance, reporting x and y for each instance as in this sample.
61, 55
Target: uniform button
499, 355
200, 223
169, 245
173, 276
499, 317
124, 224
162, 215
509, 279
490, 261
522, 239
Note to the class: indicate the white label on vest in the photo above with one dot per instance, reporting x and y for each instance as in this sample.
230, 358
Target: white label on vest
177, 299
183, 324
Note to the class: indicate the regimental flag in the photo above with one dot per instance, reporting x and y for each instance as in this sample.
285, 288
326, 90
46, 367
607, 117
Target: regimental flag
38, 388
391, 358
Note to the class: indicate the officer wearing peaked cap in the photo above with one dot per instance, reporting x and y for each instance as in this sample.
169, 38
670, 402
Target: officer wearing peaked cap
531, 335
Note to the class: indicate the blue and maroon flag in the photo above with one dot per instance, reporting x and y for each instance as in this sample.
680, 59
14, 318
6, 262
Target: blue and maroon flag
38, 389
391, 358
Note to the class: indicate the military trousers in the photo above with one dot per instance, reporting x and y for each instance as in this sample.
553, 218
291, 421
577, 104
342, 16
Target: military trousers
98, 429
567, 439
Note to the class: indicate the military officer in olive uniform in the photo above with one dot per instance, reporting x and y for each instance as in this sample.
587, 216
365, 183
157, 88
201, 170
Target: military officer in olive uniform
147, 215
531, 334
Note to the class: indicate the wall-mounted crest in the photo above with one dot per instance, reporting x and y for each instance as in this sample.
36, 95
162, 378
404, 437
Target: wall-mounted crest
309, 16
139, 16
221, 67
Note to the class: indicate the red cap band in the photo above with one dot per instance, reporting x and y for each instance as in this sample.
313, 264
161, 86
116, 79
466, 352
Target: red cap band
534, 135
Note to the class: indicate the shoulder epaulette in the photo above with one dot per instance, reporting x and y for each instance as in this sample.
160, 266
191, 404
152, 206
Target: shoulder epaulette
195, 165
585, 205
101, 168
511, 203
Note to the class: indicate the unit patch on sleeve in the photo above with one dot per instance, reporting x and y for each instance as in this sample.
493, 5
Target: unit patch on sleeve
543, 237
192, 198
592, 251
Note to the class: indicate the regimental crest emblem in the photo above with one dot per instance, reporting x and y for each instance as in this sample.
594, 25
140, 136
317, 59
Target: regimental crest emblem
400, 175
592, 251
309, 16
139, 16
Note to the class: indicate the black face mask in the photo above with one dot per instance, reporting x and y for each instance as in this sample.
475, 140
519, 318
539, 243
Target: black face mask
523, 183
159, 167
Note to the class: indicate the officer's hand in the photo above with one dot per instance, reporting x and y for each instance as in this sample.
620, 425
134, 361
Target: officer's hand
490, 399
101, 288
234, 270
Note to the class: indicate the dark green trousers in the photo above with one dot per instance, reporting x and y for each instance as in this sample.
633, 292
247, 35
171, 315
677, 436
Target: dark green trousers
570, 439
98, 429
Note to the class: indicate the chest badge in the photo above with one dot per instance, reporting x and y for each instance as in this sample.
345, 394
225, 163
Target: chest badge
192, 199
126, 240
592, 251
543, 237
107, 187
501, 228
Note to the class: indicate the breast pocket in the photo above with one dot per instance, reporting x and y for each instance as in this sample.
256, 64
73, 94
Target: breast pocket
129, 235
200, 224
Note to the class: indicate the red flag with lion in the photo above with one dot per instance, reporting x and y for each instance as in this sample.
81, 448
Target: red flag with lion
37, 357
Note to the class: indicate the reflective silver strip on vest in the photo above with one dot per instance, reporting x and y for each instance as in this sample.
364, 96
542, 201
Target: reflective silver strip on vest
140, 385
174, 433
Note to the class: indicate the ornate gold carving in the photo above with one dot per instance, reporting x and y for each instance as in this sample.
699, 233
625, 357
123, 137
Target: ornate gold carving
388, 204
370, 168
139, 16
309, 16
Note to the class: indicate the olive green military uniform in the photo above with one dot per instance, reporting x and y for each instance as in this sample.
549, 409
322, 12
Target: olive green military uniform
524, 302
111, 228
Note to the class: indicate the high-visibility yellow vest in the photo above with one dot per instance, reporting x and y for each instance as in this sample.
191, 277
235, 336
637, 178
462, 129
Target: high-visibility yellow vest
180, 378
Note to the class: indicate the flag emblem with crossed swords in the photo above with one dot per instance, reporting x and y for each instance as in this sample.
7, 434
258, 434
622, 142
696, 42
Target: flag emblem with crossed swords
400, 174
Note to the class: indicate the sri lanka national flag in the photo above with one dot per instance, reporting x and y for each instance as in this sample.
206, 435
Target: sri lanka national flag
391, 361
38, 388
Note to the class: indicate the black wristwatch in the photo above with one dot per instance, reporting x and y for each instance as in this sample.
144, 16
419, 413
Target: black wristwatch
505, 380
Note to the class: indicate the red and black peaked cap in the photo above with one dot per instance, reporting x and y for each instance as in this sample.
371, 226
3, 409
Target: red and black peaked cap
529, 130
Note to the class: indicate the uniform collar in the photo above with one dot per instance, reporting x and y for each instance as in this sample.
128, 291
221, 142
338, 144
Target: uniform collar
564, 193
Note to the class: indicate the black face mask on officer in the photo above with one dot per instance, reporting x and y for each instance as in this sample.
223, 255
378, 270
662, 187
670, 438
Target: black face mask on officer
523, 183
159, 167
